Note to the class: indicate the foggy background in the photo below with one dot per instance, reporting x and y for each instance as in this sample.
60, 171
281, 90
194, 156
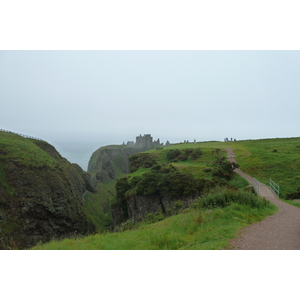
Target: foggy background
82, 100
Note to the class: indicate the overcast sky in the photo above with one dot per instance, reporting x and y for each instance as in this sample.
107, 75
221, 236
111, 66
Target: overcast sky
87, 99
82, 100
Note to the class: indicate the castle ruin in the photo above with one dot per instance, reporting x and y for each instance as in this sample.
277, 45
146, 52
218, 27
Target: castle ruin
144, 142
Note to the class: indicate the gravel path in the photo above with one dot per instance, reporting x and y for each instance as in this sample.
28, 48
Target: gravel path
280, 231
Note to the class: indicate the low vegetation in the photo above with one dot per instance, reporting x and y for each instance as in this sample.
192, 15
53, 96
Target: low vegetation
206, 225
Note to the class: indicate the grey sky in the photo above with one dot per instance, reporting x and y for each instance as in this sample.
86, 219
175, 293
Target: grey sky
87, 99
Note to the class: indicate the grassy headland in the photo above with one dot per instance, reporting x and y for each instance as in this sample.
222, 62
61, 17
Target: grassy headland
199, 227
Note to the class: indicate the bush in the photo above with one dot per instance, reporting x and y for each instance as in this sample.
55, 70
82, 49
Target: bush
175, 155
182, 157
224, 168
128, 225
168, 168
122, 186
177, 185
172, 154
141, 160
294, 195
188, 151
196, 153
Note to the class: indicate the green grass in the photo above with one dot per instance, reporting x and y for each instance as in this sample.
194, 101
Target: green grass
256, 158
195, 167
238, 181
295, 202
23, 151
193, 229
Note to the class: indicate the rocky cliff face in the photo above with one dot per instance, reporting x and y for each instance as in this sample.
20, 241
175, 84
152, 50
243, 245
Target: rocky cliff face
41, 194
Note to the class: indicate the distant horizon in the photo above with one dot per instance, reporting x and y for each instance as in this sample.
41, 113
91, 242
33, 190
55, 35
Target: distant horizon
81, 154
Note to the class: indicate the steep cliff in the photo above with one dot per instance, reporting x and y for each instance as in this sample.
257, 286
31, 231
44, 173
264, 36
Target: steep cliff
41, 193
107, 164
111, 162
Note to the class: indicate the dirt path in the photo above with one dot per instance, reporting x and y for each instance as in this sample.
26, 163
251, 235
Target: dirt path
280, 231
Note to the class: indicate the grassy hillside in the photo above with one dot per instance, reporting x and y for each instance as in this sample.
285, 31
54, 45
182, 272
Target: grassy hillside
278, 159
40, 193
205, 228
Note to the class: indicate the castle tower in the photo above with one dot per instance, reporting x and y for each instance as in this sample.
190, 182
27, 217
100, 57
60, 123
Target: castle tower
145, 141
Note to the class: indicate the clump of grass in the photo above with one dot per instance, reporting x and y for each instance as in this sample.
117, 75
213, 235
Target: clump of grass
221, 197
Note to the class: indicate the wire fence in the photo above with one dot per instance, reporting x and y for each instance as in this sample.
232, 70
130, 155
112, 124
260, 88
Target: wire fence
23, 135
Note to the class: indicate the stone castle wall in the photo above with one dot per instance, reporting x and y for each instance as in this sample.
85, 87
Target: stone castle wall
145, 141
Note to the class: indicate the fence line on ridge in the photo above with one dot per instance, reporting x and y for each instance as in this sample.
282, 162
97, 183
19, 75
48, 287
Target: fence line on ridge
23, 135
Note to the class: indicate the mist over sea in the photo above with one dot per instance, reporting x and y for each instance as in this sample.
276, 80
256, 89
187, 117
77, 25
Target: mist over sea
77, 153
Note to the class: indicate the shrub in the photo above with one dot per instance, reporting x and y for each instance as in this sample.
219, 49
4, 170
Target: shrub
168, 168
172, 154
177, 185
196, 153
182, 157
128, 225
188, 151
122, 186
294, 195
224, 168
141, 160
156, 168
